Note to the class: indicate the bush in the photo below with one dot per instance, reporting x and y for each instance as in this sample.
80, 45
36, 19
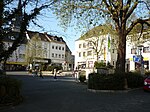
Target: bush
134, 79
9, 91
114, 81
99, 64
106, 82
82, 78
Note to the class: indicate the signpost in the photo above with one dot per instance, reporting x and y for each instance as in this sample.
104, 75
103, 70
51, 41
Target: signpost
137, 58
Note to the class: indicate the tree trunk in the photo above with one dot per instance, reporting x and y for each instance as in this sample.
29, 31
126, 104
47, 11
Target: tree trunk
120, 65
121, 58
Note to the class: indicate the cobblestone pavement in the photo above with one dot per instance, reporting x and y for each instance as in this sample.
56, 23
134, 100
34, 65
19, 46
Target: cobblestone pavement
66, 95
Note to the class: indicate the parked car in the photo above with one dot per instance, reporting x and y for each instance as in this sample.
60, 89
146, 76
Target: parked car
146, 86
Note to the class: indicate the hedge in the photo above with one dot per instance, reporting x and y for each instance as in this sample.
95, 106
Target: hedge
106, 82
114, 81
10, 91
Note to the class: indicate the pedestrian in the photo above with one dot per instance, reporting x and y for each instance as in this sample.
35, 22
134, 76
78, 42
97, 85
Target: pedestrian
36, 71
41, 75
55, 74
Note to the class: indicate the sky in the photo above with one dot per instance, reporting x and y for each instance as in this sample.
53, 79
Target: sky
50, 23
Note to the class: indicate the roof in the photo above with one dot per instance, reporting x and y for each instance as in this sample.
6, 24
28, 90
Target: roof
45, 37
97, 31
11, 36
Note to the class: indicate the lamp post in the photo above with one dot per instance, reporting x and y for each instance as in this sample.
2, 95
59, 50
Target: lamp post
140, 47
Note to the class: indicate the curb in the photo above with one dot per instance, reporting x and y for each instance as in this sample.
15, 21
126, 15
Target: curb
112, 91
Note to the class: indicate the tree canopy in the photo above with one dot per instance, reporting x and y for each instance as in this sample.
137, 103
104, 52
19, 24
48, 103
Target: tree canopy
16, 16
118, 13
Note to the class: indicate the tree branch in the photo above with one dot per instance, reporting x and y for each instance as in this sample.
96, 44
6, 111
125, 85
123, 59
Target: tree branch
131, 10
146, 21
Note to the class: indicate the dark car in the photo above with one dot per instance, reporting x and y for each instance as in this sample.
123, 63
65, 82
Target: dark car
146, 86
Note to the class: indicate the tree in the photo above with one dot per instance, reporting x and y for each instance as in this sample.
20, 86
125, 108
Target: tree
22, 14
96, 38
117, 12
34, 49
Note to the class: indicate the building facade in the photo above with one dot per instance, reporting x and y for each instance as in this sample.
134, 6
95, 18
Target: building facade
38, 49
137, 48
86, 52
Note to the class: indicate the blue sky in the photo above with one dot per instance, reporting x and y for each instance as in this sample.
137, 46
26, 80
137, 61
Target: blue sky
51, 26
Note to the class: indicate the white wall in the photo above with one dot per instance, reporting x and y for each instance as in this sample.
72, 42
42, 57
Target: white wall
58, 52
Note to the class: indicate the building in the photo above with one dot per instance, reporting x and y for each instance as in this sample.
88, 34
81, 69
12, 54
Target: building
17, 60
36, 49
95, 45
102, 47
39, 49
69, 60
136, 48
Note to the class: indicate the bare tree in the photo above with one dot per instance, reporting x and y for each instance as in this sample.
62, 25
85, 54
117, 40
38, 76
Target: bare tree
34, 49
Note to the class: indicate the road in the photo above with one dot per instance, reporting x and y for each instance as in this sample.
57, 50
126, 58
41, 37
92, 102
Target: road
67, 95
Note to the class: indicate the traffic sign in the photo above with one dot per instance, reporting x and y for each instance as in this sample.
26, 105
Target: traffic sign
136, 58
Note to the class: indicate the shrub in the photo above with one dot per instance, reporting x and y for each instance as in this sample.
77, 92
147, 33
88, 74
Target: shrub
106, 82
99, 64
9, 91
134, 79
82, 78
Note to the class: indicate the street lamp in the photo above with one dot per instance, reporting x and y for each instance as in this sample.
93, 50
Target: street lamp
140, 47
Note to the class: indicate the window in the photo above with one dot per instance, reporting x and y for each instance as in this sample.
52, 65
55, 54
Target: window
113, 62
52, 47
113, 50
62, 55
56, 55
84, 54
79, 54
79, 45
55, 38
89, 53
56, 47
133, 51
84, 45
59, 55
89, 44
62, 48
146, 50
52, 54
59, 48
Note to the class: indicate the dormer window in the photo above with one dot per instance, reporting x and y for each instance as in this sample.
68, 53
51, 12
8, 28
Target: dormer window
60, 40
11, 37
55, 38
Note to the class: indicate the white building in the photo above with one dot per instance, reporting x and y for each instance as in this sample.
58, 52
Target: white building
94, 47
46, 49
134, 51
85, 54
37, 49
17, 60
57, 48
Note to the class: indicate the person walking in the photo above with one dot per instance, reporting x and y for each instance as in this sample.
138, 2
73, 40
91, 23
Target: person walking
41, 75
55, 74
